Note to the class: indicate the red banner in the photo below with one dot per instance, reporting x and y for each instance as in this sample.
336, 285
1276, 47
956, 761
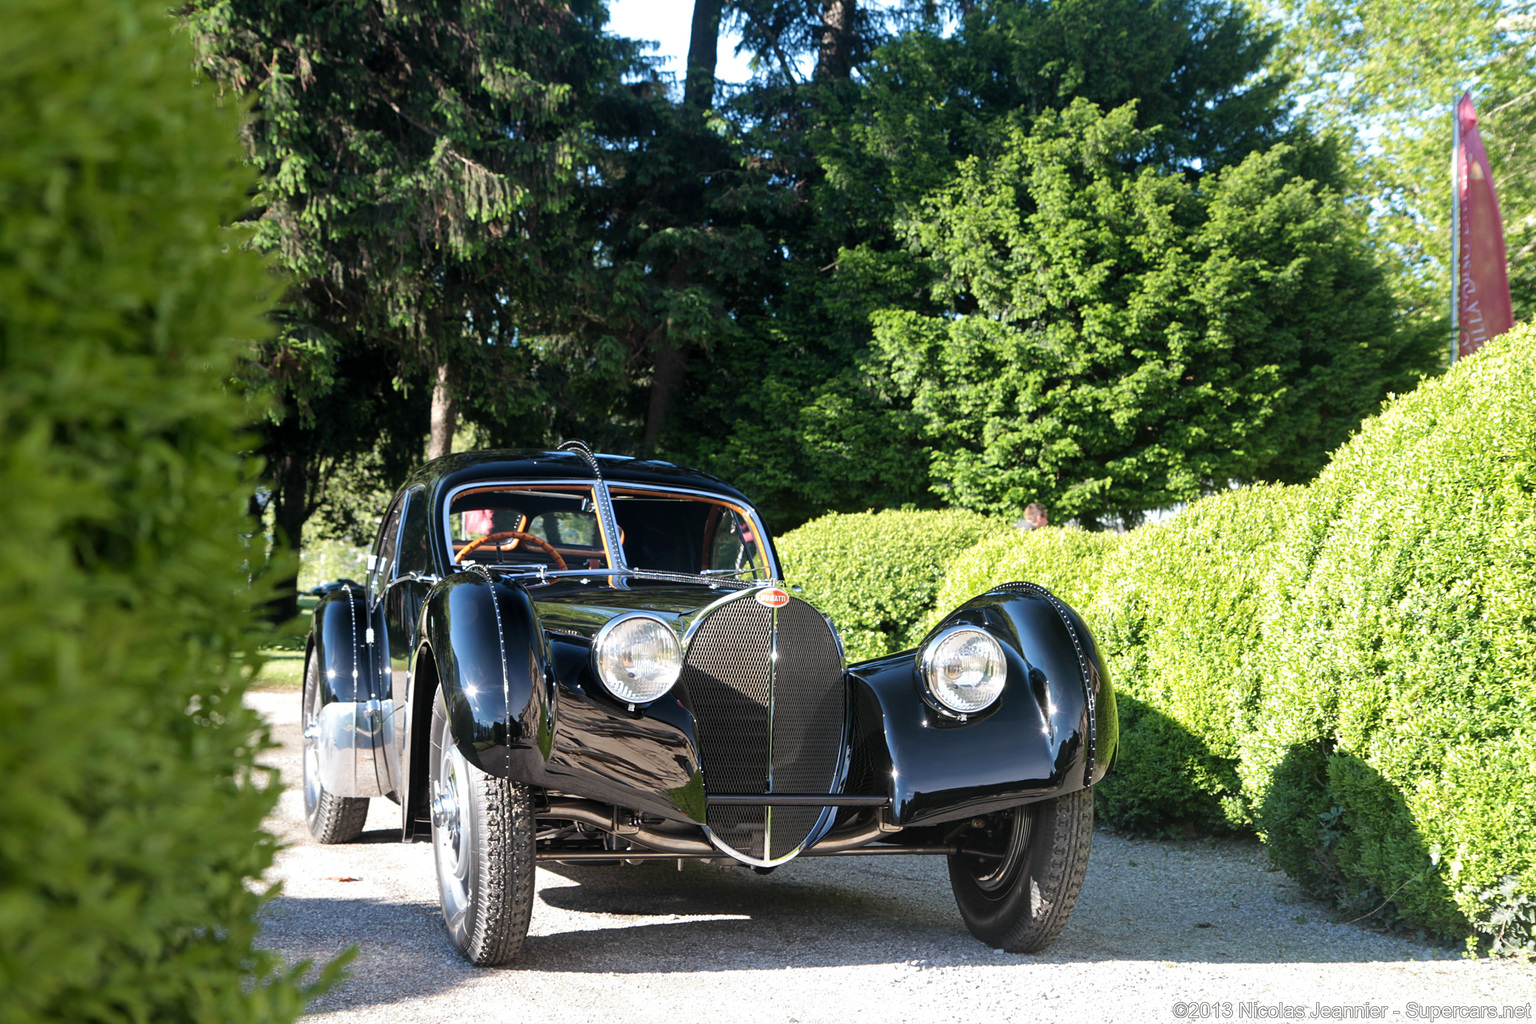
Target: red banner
1482, 308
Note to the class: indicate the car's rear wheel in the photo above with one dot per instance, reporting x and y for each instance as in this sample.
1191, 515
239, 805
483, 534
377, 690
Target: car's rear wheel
1018, 872
482, 840
332, 818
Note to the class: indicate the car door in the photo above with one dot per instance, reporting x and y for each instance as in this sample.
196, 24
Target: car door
404, 588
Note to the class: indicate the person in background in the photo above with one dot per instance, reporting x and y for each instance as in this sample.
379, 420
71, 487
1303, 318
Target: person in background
1034, 517
478, 522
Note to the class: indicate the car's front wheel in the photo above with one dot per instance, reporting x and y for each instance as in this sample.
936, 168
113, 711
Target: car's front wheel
482, 840
1017, 873
332, 818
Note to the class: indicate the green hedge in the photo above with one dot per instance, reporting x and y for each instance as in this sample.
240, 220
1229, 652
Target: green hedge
131, 849
1392, 758
1347, 667
1072, 563
876, 573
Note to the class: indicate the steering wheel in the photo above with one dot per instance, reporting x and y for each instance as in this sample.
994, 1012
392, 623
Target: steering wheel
500, 535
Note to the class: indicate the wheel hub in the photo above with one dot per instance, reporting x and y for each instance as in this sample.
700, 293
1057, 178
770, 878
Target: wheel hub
445, 812
1005, 841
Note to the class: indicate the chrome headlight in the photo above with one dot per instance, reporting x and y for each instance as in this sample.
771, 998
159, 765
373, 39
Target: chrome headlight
963, 668
637, 657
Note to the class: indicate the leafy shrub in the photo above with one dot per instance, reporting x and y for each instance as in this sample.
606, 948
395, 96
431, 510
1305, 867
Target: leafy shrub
876, 573
1072, 563
1392, 755
132, 805
1180, 624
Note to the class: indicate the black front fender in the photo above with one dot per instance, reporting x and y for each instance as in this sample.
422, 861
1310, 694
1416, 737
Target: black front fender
1052, 731
490, 659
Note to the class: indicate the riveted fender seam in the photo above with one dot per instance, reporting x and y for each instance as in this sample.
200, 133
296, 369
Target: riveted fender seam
501, 645
1089, 696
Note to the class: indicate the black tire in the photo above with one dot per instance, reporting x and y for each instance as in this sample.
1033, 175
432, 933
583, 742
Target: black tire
1019, 871
332, 818
482, 842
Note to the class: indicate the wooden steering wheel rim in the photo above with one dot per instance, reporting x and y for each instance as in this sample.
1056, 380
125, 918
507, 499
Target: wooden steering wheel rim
538, 542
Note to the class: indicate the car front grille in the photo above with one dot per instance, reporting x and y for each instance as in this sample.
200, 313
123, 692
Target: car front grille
766, 724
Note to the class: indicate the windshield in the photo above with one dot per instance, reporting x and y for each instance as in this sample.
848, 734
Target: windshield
556, 527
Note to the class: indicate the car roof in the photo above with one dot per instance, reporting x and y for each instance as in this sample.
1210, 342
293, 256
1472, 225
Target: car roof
531, 465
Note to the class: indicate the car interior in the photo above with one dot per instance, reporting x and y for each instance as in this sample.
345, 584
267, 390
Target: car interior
558, 529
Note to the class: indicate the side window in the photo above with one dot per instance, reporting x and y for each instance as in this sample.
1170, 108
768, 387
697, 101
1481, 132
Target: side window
735, 547
384, 550
415, 545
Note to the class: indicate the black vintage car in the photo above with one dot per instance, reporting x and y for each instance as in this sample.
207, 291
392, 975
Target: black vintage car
566, 657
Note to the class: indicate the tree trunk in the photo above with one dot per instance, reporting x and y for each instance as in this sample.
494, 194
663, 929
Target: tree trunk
835, 57
445, 416
671, 368
703, 52
290, 508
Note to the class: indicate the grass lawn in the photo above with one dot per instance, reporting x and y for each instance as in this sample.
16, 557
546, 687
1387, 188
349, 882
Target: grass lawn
284, 665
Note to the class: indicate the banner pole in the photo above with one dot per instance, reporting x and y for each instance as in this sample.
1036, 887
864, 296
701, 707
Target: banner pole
1455, 230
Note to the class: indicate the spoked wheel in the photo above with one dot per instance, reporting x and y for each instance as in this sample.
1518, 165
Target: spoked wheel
1018, 872
482, 840
332, 818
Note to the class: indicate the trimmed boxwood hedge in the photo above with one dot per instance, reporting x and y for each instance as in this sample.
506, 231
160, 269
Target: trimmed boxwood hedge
1392, 756
131, 848
1349, 667
875, 573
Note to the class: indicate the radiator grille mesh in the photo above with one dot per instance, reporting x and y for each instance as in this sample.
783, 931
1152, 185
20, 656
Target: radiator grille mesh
808, 729
743, 724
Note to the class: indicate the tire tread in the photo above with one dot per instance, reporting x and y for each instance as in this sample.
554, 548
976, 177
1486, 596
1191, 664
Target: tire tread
1067, 860
507, 876
500, 884
339, 819
1030, 914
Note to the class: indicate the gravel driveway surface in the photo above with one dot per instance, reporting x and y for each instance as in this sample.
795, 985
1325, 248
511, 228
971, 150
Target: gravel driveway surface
1164, 931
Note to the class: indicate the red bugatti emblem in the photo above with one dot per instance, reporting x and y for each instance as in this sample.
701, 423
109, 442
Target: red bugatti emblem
773, 597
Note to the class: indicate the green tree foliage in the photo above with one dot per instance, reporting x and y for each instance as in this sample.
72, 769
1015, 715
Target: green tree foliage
1195, 69
888, 352
132, 848
419, 162
681, 222
1118, 339
1387, 74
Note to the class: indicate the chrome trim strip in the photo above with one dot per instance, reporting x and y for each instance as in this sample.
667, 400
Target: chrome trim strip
697, 618
821, 824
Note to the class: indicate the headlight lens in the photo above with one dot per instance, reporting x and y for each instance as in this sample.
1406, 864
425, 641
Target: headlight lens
964, 669
637, 657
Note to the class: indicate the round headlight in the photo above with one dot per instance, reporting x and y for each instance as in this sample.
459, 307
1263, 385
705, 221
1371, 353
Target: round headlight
637, 657
964, 669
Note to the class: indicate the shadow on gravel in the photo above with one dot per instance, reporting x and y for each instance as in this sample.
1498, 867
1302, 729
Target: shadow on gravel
654, 919
390, 836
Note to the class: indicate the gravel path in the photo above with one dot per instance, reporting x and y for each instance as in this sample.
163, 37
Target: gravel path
1163, 931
